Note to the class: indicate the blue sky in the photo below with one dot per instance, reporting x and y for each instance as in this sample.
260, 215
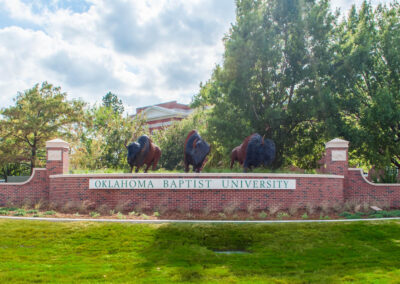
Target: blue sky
145, 51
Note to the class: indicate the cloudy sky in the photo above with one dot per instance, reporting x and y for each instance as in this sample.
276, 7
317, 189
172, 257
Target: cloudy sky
145, 51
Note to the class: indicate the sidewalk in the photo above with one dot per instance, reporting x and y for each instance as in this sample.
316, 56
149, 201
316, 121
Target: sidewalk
190, 221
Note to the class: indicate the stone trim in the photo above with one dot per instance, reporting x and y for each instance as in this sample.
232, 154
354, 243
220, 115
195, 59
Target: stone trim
371, 183
199, 175
27, 181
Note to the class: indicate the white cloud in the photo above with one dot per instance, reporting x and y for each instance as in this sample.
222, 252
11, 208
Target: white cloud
145, 51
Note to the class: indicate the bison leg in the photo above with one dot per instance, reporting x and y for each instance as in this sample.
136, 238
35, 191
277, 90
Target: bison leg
137, 169
131, 169
157, 155
147, 167
186, 164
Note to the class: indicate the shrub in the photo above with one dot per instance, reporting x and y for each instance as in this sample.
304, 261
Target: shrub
38, 204
273, 209
94, 214
262, 215
121, 216
251, 206
51, 212
222, 215
231, 207
103, 209
123, 206
156, 214
3, 212
20, 212
282, 215
32, 211
310, 207
132, 213
144, 216
304, 216
293, 209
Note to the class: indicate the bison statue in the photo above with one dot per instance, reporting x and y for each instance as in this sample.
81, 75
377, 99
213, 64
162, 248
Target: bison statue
143, 152
195, 151
253, 152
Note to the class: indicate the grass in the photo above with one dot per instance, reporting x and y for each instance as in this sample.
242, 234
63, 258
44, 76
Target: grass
83, 252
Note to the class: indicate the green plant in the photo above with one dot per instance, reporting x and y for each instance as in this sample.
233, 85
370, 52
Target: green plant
32, 211
304, 216
222, 215
132, 213
121, 216
94, 214
156, 214
144, 216
4, 212
36, 215
20, 212
51, 212
77, 214
386, 175
112, 212
262, 215
282, 215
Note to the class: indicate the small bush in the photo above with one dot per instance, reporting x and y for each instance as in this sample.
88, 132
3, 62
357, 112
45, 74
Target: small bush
51, 212
121, 216
20, 212
310, 208
32, 211
38, 204
144, 216
273, 209
156, 214
103, 209
231, 207
132, 213
251, 207
293, 209
222, 215
347, 215
262, 215
282, 215
8, 208
304, 216
4, 212
94, 214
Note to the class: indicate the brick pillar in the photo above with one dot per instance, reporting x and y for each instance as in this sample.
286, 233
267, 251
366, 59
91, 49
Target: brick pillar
57, 157
337, 157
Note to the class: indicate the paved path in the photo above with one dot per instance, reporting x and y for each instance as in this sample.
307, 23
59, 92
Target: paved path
189, 221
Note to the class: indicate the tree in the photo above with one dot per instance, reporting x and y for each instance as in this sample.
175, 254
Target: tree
275, 78
171, 140
39, 114
100, 144
367, 83
111, 100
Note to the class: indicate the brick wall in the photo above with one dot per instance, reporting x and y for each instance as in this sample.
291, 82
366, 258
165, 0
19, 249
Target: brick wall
53, 185
310, 189
359, 189
32, 191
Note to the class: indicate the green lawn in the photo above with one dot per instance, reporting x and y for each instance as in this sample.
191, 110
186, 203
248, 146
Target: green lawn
280, 253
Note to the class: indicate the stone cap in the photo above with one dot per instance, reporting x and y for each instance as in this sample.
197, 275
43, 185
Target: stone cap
337, 143
57, 143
